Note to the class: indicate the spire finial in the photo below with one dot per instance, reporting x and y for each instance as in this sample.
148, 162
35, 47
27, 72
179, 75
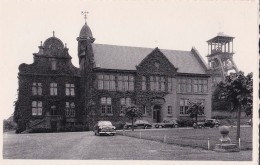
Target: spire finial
85, 15
53, 33
41, 43
65, 45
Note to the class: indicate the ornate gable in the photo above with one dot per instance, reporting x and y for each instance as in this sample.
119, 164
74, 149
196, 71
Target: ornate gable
156, 63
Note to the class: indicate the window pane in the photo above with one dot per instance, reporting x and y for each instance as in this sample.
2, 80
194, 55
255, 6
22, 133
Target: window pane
103, 100
120, 78
106, 77
106, 85
100, 77
120, 85
34, 104
72, 92
131, 78
100, 84
125, 78
112, 85
131, 86
67, 85
34, 111
67, 91
103, 108
39, 104
40, 90
122, 101
108, 100
181, 102
34, 92
109, 109
39, 111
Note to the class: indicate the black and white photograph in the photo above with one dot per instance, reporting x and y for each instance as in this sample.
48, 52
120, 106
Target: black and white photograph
132, 82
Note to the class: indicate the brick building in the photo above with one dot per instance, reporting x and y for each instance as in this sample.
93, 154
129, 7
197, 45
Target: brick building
54, 93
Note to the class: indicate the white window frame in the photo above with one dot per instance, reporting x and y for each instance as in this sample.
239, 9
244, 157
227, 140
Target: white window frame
53, 89
36, 108
70, 89
37, 89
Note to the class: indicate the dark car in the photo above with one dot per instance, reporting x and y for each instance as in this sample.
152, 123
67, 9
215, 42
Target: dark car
207, 123
139, 124
104, 127
143, 124
211, 123
166, 124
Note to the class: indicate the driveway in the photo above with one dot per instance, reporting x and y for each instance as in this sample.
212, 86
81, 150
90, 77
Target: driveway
84, 145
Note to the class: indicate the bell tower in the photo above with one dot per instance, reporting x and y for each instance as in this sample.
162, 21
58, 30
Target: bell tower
85, 52
220, 57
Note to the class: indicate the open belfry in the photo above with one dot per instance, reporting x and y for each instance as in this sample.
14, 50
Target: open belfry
220, 57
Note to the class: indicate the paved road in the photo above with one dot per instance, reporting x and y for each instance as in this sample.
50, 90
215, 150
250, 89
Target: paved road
84, 145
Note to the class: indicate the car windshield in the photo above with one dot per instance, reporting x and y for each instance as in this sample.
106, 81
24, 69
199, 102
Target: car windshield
103, 123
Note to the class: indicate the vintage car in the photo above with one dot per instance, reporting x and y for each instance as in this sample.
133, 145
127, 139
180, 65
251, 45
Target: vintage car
139, 124
207, 123
166, 124
104, 128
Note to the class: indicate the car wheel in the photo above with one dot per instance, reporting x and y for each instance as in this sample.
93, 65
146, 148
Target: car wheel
95, 133
160, 126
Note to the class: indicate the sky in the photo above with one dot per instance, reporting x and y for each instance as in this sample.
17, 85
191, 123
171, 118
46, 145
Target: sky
166, 24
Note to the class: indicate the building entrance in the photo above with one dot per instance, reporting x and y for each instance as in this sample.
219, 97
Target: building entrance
157, 114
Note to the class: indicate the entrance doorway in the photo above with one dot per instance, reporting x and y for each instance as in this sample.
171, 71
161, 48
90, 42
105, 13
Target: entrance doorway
157, 114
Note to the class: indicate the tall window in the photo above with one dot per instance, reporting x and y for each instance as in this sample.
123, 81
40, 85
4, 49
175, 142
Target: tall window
169, 110
106, 105
184, 85
157, 83
106, 82
143, 83
125, 83
36, 108
70, 89
53, 64
37, 89
200, 86
54, 110
184, 106
53, 89
170, 85
70, 109
124, 102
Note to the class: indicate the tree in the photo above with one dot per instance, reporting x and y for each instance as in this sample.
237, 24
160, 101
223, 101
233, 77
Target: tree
195, 109
238, 89
133, 112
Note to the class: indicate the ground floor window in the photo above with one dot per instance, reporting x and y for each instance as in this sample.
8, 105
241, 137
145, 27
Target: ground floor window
124, 103
106, 105
70, 109
169, 110
36, 108
184, 106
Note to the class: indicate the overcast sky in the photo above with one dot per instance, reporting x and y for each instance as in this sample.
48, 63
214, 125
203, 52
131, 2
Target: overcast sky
164, 24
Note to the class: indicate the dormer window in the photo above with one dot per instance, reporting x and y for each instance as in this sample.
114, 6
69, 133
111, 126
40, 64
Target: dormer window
157, 65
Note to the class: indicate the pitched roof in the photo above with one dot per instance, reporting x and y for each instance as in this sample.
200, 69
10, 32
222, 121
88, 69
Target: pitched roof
127, 58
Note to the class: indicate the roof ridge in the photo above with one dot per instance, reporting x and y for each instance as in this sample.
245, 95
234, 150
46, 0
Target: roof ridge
141, 47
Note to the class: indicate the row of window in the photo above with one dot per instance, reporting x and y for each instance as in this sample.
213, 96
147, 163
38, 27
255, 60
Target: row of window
157, 83
199, 85
37, 89
184, 105
69, 109
108, 82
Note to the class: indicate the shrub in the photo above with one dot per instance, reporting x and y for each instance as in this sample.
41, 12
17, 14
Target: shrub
119, 124
185, 122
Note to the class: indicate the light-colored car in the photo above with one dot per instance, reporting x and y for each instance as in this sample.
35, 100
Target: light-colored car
104, 128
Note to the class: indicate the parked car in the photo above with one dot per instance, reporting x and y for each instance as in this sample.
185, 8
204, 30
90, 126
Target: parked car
104, 127
166, 124
143, 124
211, 123
139, 124
207, 123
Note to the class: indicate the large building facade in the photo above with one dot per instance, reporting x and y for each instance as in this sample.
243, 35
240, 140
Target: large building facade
54, 93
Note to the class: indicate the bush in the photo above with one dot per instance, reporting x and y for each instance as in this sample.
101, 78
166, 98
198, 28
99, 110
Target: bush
119, 125
185, 122
9, 125
73, 128
40, 130
221, 117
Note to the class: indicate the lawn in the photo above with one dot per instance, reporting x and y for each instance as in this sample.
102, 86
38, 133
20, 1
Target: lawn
193, 137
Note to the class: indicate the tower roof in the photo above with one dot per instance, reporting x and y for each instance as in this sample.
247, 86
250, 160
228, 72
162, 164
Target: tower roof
221, 37
85, 32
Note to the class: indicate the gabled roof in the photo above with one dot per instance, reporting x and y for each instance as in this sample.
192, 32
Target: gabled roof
127, 58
